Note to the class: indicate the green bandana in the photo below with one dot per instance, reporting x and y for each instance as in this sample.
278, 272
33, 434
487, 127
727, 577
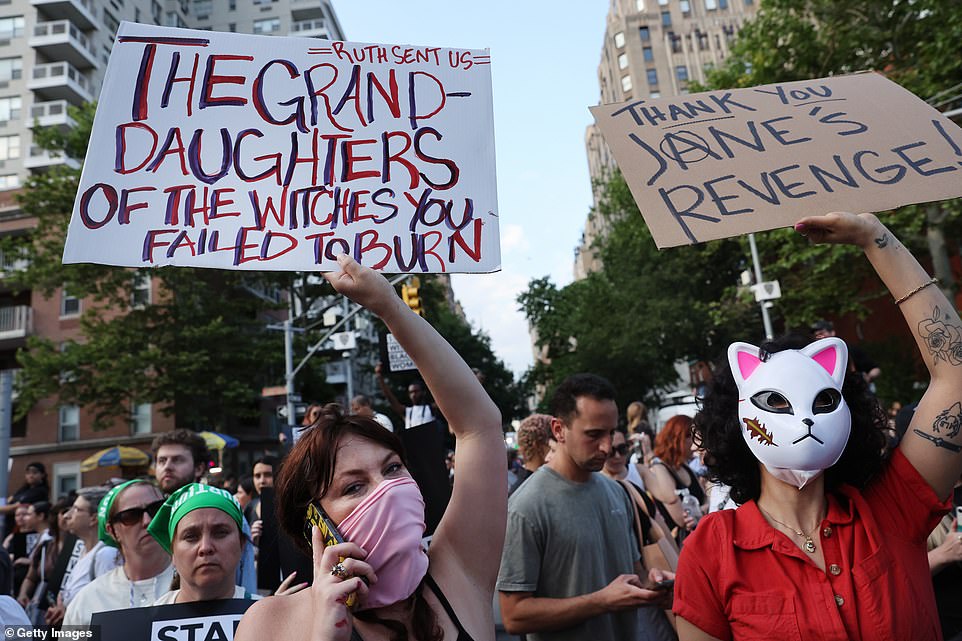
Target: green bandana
187, 499
103, 510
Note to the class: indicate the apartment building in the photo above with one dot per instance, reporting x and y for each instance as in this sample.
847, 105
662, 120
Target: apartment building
652, 49
53, 54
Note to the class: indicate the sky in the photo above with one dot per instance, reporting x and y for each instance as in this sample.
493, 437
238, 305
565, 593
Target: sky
544, 61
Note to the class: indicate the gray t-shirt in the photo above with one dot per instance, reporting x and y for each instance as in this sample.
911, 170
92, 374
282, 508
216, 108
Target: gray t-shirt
565, 539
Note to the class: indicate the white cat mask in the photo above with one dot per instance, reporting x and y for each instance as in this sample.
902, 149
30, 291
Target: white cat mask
790, 407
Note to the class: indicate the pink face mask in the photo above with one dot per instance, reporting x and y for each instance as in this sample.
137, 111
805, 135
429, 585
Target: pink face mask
388, 525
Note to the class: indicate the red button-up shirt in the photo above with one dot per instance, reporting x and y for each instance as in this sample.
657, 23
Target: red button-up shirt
739, 578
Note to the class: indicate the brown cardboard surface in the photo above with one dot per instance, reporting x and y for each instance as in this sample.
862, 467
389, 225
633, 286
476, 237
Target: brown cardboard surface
724, 163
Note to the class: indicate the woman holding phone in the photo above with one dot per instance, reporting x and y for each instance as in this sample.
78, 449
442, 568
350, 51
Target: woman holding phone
829, 540
353, 470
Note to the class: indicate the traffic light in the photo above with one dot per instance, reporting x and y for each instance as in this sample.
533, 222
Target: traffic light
410, 295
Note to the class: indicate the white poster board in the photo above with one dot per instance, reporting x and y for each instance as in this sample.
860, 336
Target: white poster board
278, 153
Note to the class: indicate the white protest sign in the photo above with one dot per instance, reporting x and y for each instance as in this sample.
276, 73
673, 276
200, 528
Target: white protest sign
266, 153
212, 628
398, 359
724, 163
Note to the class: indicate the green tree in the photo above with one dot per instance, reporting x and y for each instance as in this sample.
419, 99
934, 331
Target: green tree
200, 349
643, 311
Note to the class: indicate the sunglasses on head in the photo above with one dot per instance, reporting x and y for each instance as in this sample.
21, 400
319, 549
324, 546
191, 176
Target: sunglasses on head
618, 450
134, 515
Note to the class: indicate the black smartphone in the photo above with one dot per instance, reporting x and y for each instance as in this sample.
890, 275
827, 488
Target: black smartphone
667, 584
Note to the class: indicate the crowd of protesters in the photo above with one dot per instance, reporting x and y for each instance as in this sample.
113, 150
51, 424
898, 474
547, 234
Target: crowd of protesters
790, 506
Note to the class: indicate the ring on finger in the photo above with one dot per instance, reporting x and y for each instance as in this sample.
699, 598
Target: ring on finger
340, 571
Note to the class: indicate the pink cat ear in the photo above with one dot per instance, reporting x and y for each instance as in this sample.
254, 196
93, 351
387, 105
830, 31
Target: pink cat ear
827, 359
743, 360
832, 355
747, 364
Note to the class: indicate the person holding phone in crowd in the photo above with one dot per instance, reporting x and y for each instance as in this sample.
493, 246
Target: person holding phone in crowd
829, 540
353, 470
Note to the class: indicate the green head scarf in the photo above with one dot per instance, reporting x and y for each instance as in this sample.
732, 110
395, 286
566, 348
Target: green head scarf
187, 499
103, 511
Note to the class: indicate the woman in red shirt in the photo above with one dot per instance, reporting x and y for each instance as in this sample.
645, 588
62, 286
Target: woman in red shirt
829, 541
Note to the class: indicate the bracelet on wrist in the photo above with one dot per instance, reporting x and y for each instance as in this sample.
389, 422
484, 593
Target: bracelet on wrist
933, 281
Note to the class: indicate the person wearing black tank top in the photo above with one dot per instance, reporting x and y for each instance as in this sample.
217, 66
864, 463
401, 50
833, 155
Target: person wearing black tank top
352, 469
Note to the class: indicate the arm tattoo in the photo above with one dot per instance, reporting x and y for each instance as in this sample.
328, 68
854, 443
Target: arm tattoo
882, 242
948, 421
942, 336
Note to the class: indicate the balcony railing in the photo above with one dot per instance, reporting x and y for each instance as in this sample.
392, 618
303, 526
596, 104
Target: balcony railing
62, 40
81, 12
52, 113
15, 321
61, 80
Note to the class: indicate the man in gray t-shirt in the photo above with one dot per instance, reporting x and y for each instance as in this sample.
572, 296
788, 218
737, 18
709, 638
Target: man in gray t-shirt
570, 566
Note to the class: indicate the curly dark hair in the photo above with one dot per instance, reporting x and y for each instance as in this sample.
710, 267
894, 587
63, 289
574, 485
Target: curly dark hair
730, 461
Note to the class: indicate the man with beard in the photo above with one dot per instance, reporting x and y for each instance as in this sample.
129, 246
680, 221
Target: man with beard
570, 567
180, 458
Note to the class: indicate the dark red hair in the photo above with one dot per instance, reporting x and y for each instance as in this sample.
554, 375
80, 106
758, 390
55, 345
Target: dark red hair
308, 470
670, 444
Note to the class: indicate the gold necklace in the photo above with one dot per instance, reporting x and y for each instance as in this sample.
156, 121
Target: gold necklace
809, 543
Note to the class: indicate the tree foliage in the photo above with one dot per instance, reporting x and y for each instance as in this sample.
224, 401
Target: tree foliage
644, 311
199, 348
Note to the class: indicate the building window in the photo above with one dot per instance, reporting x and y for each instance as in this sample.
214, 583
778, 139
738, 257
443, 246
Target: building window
640, 5
648, 54
66, 478
622, 61
626, 83
711, 5
645, 34
685, 8
11, 68
663, 3
702, 38
10, 108
11, 27
675, 40
652, 78
69, 305
110, 23
232, 5
620, 39
9, 147
140, 419
722, 4
654, 94
232, 26
69, 423
140, 291
156, 11
681, 72
267, 25
666, 18
10, 181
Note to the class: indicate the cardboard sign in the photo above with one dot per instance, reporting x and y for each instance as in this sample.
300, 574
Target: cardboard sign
724, 163
267, 153
197, 621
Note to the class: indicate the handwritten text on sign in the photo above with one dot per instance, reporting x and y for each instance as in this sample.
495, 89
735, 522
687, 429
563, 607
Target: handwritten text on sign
252, 152
719, 164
